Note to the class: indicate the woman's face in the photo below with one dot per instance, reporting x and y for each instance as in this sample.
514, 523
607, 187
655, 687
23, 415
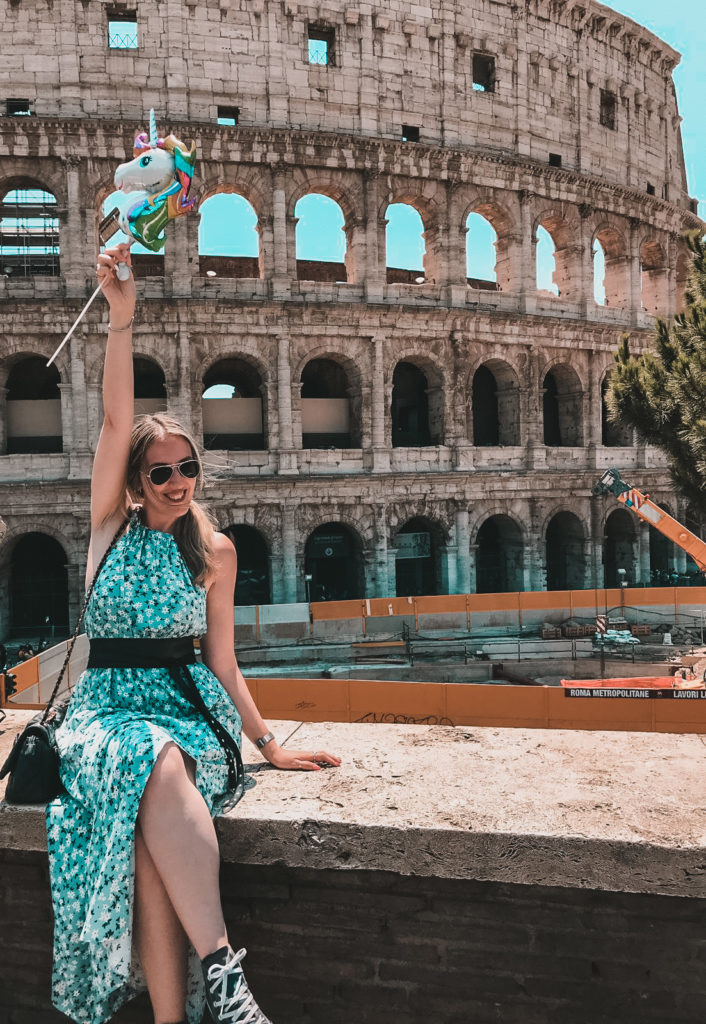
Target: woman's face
172, 498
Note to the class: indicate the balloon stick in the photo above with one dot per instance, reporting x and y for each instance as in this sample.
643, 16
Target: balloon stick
123, 273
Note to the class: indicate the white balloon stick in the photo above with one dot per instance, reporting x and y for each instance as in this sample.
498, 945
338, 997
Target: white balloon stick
123, 273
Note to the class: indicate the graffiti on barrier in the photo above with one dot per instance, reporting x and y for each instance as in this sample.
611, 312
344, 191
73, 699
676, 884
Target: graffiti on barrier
390, 718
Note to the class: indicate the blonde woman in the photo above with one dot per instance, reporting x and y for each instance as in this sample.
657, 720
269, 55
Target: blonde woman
133, 854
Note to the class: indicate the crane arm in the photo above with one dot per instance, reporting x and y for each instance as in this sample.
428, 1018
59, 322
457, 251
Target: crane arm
643, 506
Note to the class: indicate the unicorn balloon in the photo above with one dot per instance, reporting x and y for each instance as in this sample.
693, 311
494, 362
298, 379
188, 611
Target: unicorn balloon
156, 183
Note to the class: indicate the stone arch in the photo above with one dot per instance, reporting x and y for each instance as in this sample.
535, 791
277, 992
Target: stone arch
150, 386
417, 402
654, 276
429, 213
503, 223
562, 406
38, 583
247, 220
347, 194
29, 242
620, 539
333, 562
494, 413
563, 228
235, 413
253, 584
331, 399
613, 435
565, 541
616, 283
418, 565
500, 554
33, 406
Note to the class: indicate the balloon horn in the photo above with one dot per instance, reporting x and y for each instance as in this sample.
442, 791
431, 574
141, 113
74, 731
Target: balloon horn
153, 130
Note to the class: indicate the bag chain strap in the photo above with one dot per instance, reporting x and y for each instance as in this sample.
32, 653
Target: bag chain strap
86, 599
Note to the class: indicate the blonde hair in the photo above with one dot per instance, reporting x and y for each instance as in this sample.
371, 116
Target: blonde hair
194, 531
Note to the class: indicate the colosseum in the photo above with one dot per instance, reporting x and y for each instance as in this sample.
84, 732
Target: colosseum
387, 429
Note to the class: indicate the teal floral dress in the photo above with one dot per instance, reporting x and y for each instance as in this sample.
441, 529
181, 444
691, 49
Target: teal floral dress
117, 723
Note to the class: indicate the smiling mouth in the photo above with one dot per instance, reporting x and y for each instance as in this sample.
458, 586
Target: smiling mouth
175, 499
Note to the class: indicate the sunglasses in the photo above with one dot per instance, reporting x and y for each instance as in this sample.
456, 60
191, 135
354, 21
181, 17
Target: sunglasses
188, 468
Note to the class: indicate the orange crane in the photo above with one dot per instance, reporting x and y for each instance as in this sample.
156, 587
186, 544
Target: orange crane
645, 508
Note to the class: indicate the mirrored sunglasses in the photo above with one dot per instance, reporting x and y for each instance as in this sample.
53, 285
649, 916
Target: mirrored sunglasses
188, 468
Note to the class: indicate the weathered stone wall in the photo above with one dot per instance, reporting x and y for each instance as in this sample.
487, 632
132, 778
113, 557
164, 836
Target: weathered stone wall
399, 63
193, 57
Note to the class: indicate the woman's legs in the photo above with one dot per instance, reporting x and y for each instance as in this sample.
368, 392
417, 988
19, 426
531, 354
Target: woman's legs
160, 939
179, 835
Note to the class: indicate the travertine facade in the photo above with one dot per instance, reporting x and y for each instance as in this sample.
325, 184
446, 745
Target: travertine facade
553, 114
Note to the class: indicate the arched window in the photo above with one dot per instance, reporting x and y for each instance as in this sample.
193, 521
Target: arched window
499, 557
613, 435
29, 232
417, 408
232, 407
610, 269
566, 553
333, 558
481, 253
405, 249
38, 586
620, 551
558, 263
655, 283
33, 407
496, 405
546, 262
320, 239
418, 559
145, 262
150, 387
253, 583
599, 293
229, 241
562, 404
328, 416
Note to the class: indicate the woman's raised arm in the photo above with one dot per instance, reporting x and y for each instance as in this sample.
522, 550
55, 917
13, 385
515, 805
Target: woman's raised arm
108, 478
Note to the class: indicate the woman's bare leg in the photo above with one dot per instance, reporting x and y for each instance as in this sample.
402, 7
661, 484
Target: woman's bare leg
179, 834
160, 939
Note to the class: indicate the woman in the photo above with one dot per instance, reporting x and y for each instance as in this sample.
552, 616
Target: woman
134, 860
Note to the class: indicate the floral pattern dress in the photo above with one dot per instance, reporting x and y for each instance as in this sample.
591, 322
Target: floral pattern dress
117, 723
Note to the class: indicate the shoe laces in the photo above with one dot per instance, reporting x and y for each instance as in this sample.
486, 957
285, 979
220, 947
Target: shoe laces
237, 1006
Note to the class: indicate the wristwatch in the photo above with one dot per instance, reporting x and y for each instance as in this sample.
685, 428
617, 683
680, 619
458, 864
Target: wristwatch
264, 740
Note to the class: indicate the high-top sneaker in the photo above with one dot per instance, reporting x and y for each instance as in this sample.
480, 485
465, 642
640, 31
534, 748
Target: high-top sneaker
228, 997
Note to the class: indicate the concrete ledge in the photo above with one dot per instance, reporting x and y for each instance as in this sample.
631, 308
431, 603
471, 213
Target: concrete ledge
620, 812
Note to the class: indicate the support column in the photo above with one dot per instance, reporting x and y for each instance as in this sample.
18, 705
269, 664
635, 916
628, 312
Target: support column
381, 452
181, 256
287, 455
585, 262
463, 546
391, 572
643, 553
634, 271
72, 253
289, 556
79, 398
528, 256
189, 412
537, 553
67, 425
380, 560
472, 563
375, 275
3, 421
281, 282
596, 543
449, 561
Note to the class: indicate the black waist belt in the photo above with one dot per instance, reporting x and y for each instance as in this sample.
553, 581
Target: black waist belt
173, 654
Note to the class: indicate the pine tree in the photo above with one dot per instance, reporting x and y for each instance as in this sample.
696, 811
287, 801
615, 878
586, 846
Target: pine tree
662, 393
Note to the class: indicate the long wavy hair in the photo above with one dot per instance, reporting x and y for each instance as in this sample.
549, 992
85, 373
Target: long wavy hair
193, 532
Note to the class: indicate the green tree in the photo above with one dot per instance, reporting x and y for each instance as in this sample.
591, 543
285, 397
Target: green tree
662, 392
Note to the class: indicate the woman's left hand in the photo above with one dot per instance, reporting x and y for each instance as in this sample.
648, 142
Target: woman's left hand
300, 760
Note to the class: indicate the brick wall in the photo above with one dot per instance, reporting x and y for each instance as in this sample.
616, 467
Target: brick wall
355, 947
